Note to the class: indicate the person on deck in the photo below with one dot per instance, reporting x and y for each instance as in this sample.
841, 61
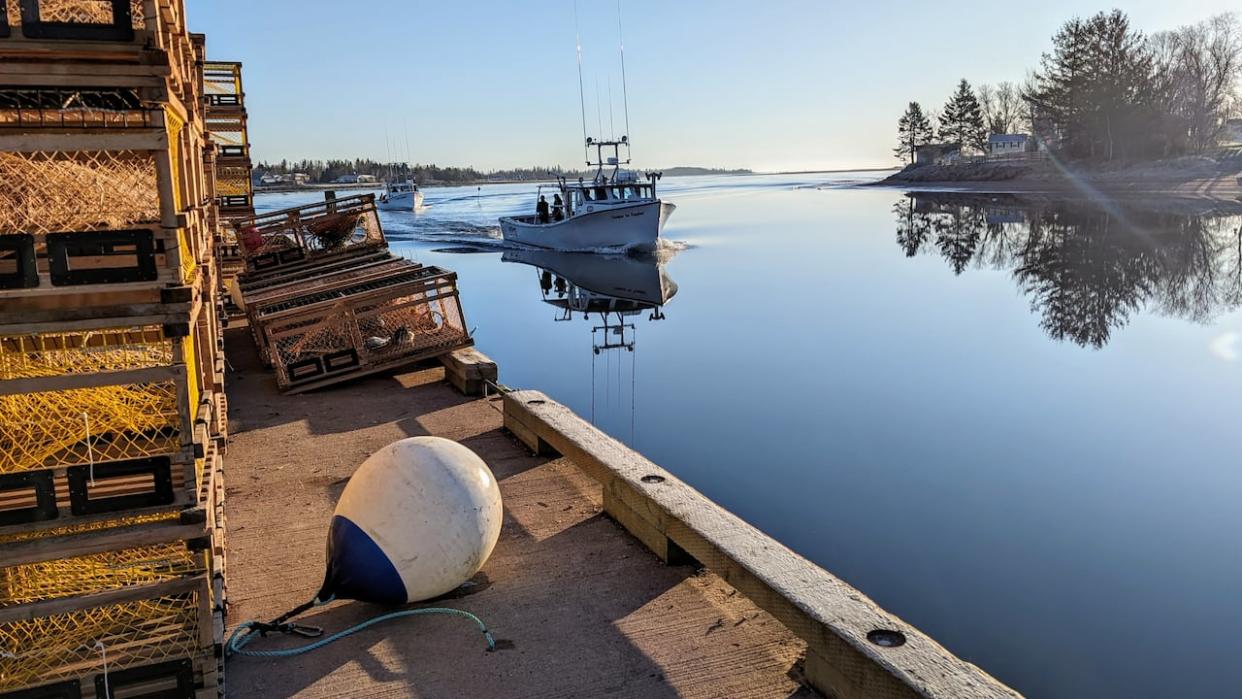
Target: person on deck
541, 209
558, 208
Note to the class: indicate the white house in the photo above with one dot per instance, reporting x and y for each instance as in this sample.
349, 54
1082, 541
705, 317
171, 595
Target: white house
366, 178
348, 179
1007, 145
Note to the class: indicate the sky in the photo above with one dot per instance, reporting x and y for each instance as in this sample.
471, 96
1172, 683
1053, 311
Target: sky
779, 85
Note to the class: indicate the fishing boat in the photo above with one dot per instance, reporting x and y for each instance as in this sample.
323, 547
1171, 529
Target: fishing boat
402, 195
616, 209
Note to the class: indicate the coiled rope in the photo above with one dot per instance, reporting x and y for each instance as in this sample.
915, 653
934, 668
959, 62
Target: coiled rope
247, 631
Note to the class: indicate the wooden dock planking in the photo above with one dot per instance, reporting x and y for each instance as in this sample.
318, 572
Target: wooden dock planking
581, 607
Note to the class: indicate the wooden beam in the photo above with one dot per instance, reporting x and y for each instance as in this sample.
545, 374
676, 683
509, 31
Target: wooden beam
65, 605
84, 139
68, 382
54, 548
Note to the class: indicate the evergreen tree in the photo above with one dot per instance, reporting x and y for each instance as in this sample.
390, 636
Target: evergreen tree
962, 119
1097, 88
913, 130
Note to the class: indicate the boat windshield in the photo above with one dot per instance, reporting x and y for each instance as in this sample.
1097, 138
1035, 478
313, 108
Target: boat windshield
609, 193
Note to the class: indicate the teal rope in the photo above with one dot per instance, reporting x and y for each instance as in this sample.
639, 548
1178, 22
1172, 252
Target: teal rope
245, 633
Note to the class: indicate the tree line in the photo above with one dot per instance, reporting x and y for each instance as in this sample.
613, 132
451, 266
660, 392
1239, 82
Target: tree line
1104, 92
328, 171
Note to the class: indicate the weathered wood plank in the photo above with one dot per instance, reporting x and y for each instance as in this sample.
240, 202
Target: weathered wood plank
830, 615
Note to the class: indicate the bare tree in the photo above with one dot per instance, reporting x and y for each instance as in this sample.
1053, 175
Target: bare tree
1008, 108
1199, 67
987, 106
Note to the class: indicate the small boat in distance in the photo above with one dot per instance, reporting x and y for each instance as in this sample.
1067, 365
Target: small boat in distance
613, 210
400, 196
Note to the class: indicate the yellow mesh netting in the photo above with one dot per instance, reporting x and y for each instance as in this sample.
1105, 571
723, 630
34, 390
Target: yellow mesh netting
232, 180
227, 130
68, 645
97, 572
76, 191
51, 428
92, 526
57, 354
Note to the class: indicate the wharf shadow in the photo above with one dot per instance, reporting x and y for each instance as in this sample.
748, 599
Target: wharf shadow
255, 402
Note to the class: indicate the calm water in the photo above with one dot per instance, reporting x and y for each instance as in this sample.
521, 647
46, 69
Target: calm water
1014, 424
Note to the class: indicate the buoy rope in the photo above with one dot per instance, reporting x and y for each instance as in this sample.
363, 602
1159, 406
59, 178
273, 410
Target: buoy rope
246, 632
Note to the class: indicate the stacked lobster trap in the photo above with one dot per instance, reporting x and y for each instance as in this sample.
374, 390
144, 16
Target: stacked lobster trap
111, 367
327, 301
229, 161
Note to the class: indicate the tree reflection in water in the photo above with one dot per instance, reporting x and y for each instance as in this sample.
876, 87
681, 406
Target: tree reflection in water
1087, 269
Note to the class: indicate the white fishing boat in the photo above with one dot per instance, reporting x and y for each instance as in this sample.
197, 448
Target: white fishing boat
615, 209
400, 196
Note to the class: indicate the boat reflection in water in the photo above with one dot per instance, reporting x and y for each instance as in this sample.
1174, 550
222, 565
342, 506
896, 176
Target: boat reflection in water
611, 288
613, 291
1088, 266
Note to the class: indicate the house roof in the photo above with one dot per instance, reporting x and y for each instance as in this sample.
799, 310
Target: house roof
1008, 138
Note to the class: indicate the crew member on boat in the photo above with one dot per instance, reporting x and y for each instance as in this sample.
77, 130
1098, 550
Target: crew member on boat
541, 209
558, 207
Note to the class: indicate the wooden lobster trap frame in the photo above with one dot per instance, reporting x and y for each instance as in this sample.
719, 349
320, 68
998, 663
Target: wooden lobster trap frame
98, 424
110, 39
375, 325
149, 588
315, 281
84, 212
291, 236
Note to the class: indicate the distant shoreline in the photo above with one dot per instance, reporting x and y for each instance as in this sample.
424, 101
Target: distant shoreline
1182, 177
319, 187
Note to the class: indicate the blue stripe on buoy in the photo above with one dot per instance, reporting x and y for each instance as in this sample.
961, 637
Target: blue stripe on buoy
358, 568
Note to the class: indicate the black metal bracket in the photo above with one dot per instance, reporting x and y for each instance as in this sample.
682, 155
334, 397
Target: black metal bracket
43, 484
80, 486
63, 247
125, 683
71, 689
20, 250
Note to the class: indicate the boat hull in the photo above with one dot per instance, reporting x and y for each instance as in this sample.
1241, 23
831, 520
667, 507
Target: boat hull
406, 201
637, 227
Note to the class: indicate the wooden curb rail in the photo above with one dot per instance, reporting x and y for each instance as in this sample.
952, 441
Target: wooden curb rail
854, 648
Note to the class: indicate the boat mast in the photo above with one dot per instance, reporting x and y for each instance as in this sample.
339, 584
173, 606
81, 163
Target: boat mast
581, 98
625, 96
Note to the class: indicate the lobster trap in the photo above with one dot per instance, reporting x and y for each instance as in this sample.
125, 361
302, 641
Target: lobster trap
292, 236
72, 219
102, 422
363, 327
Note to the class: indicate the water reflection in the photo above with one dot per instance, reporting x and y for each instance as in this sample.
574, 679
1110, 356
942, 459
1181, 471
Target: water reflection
613, 291
611, 288
1087, 267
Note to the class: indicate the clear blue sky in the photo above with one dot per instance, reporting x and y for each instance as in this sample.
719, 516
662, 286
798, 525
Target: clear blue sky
781, 84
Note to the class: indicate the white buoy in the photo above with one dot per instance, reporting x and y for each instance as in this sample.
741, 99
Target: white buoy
417, 519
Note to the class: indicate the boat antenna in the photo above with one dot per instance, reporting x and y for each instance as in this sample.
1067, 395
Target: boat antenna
612, 124
405, 124
581, 97
599, 114
625, 97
